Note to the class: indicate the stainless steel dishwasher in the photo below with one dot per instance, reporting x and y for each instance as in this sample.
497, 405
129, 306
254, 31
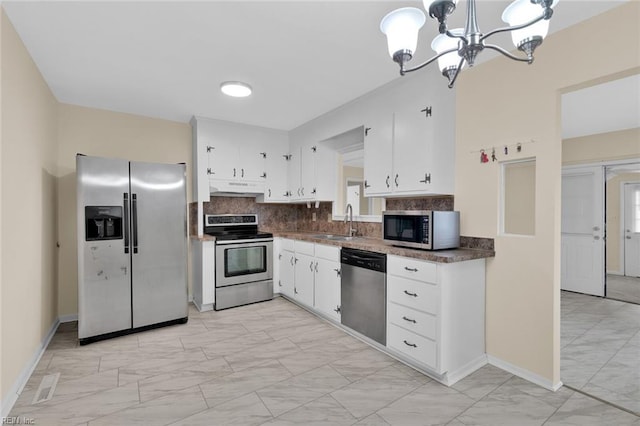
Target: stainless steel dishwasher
364, 293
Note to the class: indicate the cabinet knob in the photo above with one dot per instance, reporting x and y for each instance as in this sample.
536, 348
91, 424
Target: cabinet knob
242, 174
279, 283
234, 172
409, 319
396, 180
387, 181
311, 266
413, 345
316, 267
410, 269
410, 294
295, 290
269, 193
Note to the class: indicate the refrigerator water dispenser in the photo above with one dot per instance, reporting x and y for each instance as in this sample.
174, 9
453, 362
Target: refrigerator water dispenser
103, 223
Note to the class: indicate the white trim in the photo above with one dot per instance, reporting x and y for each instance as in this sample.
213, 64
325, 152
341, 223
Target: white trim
523, 373
465, 370
202, 307
23, 378
601, 163
68, 318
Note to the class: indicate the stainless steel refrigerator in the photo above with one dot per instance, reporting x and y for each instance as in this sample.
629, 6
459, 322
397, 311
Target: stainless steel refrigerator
132, 246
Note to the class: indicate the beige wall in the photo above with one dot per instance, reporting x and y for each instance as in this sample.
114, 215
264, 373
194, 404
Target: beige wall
28, 180
107, 134
504, 102
520, 198
620, 145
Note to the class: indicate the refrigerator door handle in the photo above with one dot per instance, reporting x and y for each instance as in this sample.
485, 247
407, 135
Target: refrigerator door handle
125, 204
134, 221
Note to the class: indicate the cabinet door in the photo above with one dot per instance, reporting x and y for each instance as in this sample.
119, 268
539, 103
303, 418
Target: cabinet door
285, 283
276, 180
413, 157
307, 172
327, 288
222, 159
377, 156
252, 162
293, 174
303, 283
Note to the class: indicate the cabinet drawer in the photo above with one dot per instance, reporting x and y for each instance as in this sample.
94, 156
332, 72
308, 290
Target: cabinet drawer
331, 253
414, 294
417, 347
419, 322
287, 244
304, 247
411, 268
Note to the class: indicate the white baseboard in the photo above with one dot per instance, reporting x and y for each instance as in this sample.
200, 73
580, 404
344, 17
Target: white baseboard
68, 318
10, 399
523, 373
202, 308
466, 369
615, 273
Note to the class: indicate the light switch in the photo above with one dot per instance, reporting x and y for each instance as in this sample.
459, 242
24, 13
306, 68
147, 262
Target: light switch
313, 216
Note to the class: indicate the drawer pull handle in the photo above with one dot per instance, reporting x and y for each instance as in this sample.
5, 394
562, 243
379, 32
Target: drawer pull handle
409, 320
413, 345
410, 294
411, 269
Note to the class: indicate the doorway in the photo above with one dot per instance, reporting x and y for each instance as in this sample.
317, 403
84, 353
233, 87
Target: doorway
623, 232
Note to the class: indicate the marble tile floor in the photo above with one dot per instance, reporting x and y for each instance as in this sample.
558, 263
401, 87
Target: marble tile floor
623, 288
600, 353
274, 363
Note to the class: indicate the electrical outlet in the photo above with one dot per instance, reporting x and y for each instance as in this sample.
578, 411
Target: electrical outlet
313, 216
328, 217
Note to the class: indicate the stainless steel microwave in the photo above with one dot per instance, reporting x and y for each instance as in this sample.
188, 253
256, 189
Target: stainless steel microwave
423, 229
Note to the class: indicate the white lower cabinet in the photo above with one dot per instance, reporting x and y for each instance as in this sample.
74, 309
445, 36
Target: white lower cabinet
327, 281
435, 311
435, 315
204, 280
285, 261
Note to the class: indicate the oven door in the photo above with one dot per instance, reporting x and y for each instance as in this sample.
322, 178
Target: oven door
244, 261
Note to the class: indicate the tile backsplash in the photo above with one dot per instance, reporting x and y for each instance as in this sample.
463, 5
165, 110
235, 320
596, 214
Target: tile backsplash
297, 217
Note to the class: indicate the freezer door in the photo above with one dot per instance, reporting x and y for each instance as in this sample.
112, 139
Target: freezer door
159, 242
104, 265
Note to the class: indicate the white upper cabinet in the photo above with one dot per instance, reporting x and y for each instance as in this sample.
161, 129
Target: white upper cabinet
378, 136
411, 151
230, 157
312, 173
276, 187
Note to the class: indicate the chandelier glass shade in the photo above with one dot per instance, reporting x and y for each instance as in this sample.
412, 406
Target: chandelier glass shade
528, 22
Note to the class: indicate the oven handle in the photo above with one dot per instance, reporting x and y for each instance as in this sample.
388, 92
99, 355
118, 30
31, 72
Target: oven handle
256, 240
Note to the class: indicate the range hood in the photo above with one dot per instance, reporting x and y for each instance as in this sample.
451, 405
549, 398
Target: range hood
221, 188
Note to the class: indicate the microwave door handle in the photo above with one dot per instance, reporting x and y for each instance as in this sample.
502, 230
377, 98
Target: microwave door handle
125, 204
134, 221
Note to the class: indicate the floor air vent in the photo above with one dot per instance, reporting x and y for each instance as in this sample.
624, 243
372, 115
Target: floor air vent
46, 388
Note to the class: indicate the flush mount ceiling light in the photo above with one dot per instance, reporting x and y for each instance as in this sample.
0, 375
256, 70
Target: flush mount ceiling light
528, 23
237, 89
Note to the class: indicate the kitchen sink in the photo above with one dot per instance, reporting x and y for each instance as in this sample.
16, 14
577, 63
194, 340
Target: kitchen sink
334, 237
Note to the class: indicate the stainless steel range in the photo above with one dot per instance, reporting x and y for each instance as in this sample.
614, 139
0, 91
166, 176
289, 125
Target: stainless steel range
244, 260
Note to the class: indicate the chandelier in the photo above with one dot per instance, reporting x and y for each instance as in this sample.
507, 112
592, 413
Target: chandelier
528, 22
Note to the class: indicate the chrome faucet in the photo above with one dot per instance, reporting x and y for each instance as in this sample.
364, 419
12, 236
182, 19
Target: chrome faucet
349, 212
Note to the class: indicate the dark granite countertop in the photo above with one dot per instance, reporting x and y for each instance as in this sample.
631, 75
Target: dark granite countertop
380, 246
204, 237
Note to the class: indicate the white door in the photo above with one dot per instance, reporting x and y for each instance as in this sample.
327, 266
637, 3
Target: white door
632, 229
353, 198
327, 288
583, 230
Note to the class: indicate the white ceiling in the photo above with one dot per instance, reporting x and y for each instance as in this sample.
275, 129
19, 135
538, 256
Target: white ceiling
167, 59
603, 108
